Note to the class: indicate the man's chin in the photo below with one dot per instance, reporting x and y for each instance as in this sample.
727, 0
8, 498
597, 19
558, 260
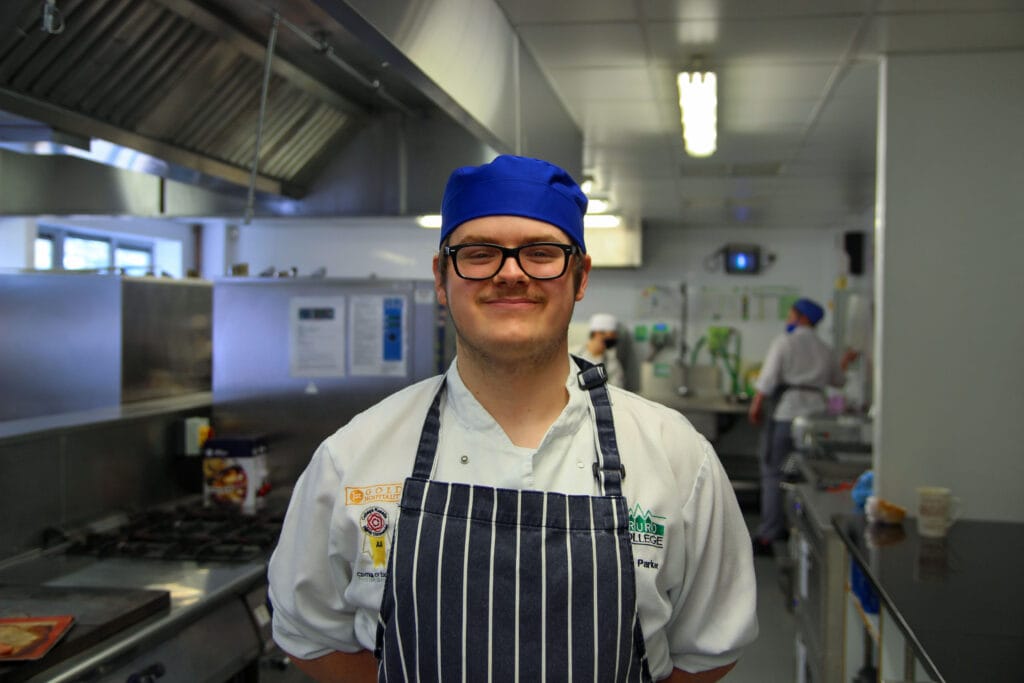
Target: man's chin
516, 347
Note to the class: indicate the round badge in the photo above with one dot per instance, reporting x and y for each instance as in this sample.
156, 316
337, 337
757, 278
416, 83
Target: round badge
374, 521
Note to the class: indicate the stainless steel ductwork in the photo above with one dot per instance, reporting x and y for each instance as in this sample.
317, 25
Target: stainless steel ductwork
351, 85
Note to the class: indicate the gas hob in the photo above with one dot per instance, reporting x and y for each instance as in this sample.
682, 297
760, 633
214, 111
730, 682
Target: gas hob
211, 562
186, 532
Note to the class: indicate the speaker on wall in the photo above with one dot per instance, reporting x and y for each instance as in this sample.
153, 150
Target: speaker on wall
853, 245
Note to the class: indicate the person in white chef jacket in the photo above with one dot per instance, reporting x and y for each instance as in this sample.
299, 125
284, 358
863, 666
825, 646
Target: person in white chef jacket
791, 383
514, 518
601, 345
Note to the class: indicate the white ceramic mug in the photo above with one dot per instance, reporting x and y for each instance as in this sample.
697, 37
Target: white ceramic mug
937, 509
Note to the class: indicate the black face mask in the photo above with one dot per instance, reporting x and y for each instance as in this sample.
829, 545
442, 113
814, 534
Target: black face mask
610, 343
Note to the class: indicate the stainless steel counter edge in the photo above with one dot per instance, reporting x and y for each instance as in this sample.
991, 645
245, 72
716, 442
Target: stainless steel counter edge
901, 622
11, 430
150, 630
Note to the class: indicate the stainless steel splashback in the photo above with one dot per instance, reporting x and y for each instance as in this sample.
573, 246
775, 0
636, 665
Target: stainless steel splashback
277, 375
60, 343
78, 341
166, 338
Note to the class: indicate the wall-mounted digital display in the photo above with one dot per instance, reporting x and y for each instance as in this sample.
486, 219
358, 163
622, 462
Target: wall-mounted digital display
742, 259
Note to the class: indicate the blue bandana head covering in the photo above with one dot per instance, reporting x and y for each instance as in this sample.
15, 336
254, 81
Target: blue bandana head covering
813, 311
515, 186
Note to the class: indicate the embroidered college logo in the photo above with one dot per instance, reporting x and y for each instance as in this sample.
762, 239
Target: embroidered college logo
374, 522
374, 493
645, 529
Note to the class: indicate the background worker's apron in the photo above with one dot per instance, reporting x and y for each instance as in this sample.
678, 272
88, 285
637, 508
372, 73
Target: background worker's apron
774, 451
499, 584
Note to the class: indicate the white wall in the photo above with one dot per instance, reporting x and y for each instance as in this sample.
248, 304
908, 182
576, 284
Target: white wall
807, 261
349, 247
17, 240
950, 237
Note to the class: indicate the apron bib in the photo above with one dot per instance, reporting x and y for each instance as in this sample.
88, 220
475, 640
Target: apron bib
491, 584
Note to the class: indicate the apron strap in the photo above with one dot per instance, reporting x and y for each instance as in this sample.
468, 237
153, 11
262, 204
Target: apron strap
593, 378
429, 436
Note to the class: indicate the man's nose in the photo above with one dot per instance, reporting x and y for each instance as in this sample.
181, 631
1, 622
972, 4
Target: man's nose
511, 271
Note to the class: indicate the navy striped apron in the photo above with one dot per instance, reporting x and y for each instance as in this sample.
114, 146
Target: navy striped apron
489, 584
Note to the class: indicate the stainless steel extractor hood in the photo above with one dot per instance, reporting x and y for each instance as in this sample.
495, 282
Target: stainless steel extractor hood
181, 81
339, 94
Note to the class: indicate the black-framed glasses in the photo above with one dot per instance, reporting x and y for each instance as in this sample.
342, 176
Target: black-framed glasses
540, 260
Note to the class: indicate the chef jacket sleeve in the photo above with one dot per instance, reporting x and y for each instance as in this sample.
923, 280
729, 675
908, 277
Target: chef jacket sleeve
714, 611
770, 375
310, 614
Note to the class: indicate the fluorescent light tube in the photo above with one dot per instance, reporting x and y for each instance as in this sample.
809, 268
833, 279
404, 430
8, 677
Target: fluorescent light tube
601, 220
698, 102
429, 221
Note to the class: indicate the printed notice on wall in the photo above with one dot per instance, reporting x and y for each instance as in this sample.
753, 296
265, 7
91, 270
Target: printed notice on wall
377, 344
316, 337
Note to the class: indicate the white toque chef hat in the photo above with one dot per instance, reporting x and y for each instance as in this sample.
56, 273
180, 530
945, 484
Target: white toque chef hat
603, 322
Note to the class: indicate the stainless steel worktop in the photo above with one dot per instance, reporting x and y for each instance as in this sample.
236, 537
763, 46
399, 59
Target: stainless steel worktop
216, 623
958, 600
222, 600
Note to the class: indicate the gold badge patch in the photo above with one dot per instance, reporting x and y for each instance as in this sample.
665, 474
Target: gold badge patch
374, 493
374, 522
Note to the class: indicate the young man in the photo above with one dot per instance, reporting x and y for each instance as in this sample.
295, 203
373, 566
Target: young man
514, 519
600, 347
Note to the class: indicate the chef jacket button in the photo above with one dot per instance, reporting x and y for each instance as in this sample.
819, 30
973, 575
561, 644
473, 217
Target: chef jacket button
579, 464
464, 459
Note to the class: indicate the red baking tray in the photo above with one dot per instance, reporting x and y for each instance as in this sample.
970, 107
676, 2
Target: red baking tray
24, 638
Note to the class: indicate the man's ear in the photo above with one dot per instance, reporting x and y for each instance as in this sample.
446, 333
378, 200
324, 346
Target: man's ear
439, 292
584, 277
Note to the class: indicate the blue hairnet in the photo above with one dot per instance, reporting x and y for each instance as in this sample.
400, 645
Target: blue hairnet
812, 310
515, 186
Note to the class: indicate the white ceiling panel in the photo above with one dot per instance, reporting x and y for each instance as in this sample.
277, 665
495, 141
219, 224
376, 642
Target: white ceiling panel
964, 31
766, 81
524, 12
586, 45
721, 9
603, 85
798, 83
791, 41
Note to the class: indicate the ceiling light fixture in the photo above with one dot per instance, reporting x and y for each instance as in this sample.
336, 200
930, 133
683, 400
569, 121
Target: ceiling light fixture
595, 205
601, 220
432, 221
698, 102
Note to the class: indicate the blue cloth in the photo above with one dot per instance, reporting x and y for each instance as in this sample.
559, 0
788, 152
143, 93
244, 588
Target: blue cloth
515, 186
809, 308
863, 489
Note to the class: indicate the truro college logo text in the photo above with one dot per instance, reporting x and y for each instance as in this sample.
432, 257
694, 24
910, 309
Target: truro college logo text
646, 528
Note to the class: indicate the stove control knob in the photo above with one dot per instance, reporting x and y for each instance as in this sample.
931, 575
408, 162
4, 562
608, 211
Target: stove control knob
148, 675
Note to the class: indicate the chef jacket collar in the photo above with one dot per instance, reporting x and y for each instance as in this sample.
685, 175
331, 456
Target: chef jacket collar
474, 417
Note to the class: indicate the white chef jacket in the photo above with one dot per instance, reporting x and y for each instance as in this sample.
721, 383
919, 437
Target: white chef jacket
696, 592
799, 357
612, 366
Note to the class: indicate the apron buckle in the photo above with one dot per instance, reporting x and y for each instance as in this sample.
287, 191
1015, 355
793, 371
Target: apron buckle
597, 470
593, 376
